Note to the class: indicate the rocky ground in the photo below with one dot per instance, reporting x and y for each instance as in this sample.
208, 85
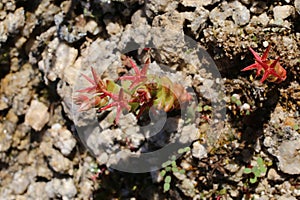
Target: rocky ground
247, 143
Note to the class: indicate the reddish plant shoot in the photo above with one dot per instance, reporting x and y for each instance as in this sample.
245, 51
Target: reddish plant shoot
270, 70
136, 93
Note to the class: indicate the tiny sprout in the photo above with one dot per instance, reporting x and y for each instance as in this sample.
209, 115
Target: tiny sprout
256, 171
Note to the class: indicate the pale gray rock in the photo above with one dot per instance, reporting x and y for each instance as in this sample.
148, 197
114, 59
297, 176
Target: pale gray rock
64, 58
14, 92
286, 197
113, 28
6, 135
30, 24
193, 3
64, 188
62, 139
46, 11
22, 179
157, 6
36, 190
21, 100
57, 161
289, 157
130, 129
239, 13
3, 32
37, 115
198, 150
297, 5
198, 22
283, 12
15, 21
263, 19
273, 175
188, 187
10, 5
232, 167
92, 27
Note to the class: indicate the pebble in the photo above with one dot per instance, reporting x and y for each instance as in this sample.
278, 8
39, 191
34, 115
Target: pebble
239, 13
289, 157
56, 160
63, 139
283, 12
187, 187
287, 197
199, 150
6, 135
15, 21
20, 182
232, 167
113, 28
22, 179
36, 190
64, 188
265, 44
37, 115
273, 175
245, 106
297, 6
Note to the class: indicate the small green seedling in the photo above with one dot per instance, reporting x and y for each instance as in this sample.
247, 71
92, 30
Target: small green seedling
257, 171
171, 166
236, 100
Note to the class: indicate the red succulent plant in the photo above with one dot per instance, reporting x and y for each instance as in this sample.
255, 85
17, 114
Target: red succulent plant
136, 93
271, 70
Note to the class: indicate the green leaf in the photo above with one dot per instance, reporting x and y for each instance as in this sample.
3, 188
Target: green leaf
256, 171
206, 108
166, 187
165, 164
175, 169
168, 179
173, 158
112, 87
186, 149
253, 180
174, 163
134, 106
260, 161
182, 171
168, 169
126, 84
199, 109
247, 170
263, 170
238, 103
233, 99
170, 99
162, 173
180, 151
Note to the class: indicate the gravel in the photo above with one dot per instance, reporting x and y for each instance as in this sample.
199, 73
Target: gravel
49, 150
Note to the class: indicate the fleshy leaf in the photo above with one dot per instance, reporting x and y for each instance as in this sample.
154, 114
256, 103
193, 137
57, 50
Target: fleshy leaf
247, 171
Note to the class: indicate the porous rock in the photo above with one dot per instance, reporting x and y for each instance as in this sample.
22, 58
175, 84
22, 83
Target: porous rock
37, 115
289, 157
